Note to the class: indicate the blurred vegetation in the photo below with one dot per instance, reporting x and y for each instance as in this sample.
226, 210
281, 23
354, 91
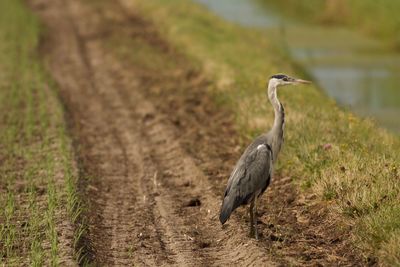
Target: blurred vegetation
37, 182
377, 18
349, 163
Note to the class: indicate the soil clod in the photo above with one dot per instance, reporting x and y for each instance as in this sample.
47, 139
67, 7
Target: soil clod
194, 202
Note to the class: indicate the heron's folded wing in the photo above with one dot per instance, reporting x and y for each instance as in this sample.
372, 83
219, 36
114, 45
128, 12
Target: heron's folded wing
250, 176
258, 171
250, 173
237, 173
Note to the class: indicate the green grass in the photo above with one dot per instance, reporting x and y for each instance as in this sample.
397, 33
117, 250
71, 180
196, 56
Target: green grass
36, 173
376, 18
357, 176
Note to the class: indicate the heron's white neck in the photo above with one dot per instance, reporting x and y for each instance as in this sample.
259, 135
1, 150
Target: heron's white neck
278, 108
279, 121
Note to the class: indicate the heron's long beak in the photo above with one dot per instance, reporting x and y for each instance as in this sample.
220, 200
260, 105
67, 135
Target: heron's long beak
302, 81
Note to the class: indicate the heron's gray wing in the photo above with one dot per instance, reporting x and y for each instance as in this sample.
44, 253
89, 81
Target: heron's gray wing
257, 176
238, 172
251, 175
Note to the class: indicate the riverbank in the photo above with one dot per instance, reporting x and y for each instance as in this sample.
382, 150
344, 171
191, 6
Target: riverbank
349, 164
355, 14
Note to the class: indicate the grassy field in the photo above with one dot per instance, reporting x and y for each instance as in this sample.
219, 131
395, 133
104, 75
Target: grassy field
37, 181
378, 19
349, 164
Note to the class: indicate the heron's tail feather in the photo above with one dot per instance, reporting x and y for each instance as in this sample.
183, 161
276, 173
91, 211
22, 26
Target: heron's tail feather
226, 209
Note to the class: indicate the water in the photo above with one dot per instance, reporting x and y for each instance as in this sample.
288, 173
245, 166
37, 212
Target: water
358, 72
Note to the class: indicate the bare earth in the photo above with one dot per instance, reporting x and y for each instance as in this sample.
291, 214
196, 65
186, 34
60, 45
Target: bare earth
154, 153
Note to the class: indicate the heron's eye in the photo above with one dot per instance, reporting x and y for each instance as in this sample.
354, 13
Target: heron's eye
285, 79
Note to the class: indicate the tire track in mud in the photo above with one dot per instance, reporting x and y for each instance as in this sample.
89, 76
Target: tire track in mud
140, 179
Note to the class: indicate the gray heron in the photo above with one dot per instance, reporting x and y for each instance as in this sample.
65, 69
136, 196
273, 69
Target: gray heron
253, 171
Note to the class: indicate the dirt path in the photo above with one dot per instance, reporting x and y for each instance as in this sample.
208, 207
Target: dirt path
154, 153
148, 202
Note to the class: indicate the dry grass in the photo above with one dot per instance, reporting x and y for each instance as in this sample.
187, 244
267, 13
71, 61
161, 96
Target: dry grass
349, 163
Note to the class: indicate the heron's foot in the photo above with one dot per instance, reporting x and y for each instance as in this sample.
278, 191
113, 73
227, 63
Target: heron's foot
252, 232
255, 233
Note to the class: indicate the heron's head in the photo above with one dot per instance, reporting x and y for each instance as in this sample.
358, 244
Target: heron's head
282, 79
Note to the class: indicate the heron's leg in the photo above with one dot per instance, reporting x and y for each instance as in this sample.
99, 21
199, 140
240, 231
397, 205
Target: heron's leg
255, 218
251, 211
